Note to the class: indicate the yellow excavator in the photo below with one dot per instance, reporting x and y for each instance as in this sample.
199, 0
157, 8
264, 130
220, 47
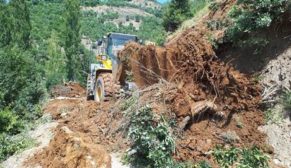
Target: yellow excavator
101, 84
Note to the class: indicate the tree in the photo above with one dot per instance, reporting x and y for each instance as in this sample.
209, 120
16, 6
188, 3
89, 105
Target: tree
55, 70
6, 25
21, 23
175, 13
72, 37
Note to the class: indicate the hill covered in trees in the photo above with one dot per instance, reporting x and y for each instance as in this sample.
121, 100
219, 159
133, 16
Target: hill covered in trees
40, 46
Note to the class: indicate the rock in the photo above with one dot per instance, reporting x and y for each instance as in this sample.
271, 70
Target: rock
230, 137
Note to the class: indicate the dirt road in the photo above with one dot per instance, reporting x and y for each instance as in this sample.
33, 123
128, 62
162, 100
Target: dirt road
76, 137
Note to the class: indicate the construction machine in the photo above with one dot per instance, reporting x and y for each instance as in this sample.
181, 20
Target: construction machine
101, 84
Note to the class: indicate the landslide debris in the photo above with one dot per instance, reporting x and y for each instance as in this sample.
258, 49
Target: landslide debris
84, 135
69, 149
213, 103
70, 89
197, 135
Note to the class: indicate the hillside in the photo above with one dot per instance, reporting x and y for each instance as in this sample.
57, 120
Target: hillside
212, 91
124, 18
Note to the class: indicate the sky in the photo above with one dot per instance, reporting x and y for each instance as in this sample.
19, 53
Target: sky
163, 1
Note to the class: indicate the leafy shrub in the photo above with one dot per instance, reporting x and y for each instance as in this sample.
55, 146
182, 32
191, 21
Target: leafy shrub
273, 115
151, 138
287, 100
249, 16
226, 158
152, 29
175, 13
11, 144
197, 5
187, 164
7, 120
253, 158
204, 164
243, 158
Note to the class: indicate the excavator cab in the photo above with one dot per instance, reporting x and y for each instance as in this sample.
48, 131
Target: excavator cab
100, 82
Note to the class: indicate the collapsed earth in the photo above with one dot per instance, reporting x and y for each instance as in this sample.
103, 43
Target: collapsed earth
216, 92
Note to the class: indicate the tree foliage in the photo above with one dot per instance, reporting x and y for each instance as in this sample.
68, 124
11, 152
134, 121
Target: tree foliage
72, 37
251, 16
21, 23
6, 25
175, 13
95, 26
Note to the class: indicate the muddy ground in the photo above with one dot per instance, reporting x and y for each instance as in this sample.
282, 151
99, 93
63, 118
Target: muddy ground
88, 132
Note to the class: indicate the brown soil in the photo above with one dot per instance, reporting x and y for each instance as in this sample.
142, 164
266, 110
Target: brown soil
207, 129
87, 131
69, 149
185, 79
221, 102
70, 89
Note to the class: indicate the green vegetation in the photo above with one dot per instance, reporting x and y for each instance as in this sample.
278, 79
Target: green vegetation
273, 115
226, 158
40, 47
32, 59
242, 158
8, 120
72, 37
249, 17
175, 13
121, 3
95, 26
197, 5
253, 158
287, 100
21, 86
11, 144
152, 139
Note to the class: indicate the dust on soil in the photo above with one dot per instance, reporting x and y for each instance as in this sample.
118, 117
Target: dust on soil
279, 136
71, 149
70, 89
276, 77
42, 135
86, 133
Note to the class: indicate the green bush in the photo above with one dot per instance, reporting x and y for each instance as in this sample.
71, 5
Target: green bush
8, 120
249, 16
175, 13
242, 158
152, 140
253, 158
226, 157
12, 144
287, 100
197, 5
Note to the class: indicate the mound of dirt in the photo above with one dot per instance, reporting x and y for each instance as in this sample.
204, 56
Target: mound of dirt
202, 132
87, 132
99, 122
213, 103
70, 89
69, 149
199, 75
